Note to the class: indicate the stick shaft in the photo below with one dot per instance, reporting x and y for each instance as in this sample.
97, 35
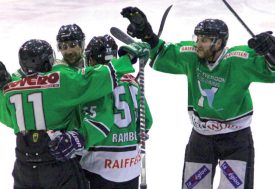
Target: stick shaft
237, 16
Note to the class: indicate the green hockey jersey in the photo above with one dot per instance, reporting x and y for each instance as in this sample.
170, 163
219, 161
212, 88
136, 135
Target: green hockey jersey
218, 94
117, 157
49, 101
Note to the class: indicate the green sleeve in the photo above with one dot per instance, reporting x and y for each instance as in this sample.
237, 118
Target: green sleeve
173, 58
91, 83
98, 120
256, 68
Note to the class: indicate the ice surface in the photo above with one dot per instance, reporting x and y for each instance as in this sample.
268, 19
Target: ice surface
166, 94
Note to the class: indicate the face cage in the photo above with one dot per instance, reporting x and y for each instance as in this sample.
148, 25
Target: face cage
195, 38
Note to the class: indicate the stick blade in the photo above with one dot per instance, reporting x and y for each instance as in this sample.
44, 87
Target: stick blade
163, 20
120, 35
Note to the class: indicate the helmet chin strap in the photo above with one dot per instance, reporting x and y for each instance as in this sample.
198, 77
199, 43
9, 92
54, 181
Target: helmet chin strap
80, 63
214, 52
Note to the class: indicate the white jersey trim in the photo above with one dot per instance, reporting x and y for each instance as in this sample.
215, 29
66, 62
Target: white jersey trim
214, 127
113, 166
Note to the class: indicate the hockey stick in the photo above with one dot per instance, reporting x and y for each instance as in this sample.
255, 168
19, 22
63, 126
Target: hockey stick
142, 63
268, 56
237, 16
121, 36
163, 20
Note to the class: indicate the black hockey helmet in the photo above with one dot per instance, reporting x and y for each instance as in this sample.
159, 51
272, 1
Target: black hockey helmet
71, 32
213, 28
36, 56
101, 49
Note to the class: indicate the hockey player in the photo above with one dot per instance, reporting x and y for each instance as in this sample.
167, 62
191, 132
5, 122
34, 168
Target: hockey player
100, 109
41, 107
219, 102
70, 42
99, 114
114, 163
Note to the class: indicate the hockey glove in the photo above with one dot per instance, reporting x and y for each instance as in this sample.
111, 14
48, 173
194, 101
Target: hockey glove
4, 75
135, 50
64, 145
262, 43
139, 27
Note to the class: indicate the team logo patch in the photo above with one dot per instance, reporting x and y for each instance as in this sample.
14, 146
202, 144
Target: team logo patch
231, 175
240, 54
197, 177
51, 80
187, 49
35, 137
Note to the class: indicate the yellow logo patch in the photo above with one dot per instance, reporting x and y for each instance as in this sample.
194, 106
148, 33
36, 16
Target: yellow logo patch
35, 137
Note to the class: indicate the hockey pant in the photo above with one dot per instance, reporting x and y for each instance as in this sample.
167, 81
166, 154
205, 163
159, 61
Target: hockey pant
234, 152
36, 168
98, 182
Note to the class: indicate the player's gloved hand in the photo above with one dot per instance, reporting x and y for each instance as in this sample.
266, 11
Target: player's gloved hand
4, 75
262, 43
65, 144
139, 27
135, 50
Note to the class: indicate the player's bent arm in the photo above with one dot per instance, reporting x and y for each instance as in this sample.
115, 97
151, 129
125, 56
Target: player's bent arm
98, 120
91, 83
257, 68
94, 131
173, 58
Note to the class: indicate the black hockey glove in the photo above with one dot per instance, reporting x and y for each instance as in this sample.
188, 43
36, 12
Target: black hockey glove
65, 145
4, 75
139, 27
262, 43
135, 50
